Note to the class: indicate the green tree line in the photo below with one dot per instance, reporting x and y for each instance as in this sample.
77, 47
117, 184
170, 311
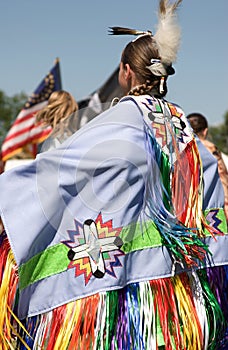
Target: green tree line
219, 134
11, 106
9, 109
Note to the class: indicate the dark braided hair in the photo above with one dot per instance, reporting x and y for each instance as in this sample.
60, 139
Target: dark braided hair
147, 87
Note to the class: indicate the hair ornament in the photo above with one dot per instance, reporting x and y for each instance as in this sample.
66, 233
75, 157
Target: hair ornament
160, 69
168, 32
167, 38
157, 68
127, 31
161, 85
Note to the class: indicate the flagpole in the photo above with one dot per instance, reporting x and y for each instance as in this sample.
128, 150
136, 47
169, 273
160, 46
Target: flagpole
57, 63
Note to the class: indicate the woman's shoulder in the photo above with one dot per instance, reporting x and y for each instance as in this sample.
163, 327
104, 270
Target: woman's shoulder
209, 145
49, 144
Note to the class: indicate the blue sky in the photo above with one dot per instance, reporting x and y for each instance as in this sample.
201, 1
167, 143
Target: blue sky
34, 33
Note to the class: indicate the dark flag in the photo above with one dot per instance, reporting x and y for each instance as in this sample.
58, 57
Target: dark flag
99, 100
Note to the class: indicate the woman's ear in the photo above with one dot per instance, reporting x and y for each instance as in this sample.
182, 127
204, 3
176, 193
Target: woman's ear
127, 71
126, 77
205, 133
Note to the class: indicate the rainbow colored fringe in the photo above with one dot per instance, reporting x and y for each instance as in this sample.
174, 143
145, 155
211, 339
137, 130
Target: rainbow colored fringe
8, 288
187, 311
177, 210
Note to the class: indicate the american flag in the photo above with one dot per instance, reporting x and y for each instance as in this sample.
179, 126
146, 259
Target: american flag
25, 132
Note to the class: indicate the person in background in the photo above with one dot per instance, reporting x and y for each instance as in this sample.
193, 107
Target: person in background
106, 244
199, 125
59, 114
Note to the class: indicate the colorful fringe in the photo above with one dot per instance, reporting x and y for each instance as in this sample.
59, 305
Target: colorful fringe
184, 312
172, 208
218, 281
8, 288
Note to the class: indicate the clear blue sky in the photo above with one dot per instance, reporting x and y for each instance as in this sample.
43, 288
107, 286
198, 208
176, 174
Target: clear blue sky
34, 33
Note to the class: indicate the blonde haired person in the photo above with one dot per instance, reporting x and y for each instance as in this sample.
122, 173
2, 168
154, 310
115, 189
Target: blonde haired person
60, 115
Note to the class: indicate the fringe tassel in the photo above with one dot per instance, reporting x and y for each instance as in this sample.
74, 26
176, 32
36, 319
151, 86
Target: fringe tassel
188, 175
214, 313
166, 313
191, 330
8, 289
176, 205
71, 326
187, 311
175, 313
148, 323
173, 223
217, 278
218, 281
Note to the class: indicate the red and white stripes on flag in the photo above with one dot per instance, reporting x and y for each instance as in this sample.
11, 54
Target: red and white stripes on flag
25, 131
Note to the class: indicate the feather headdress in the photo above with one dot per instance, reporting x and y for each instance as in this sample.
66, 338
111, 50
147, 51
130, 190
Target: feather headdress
124, 31
168, 31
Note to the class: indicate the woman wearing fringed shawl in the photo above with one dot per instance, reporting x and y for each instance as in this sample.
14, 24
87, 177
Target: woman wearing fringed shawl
107, 244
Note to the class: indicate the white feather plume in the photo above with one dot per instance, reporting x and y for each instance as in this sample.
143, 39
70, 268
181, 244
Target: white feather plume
168, 33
